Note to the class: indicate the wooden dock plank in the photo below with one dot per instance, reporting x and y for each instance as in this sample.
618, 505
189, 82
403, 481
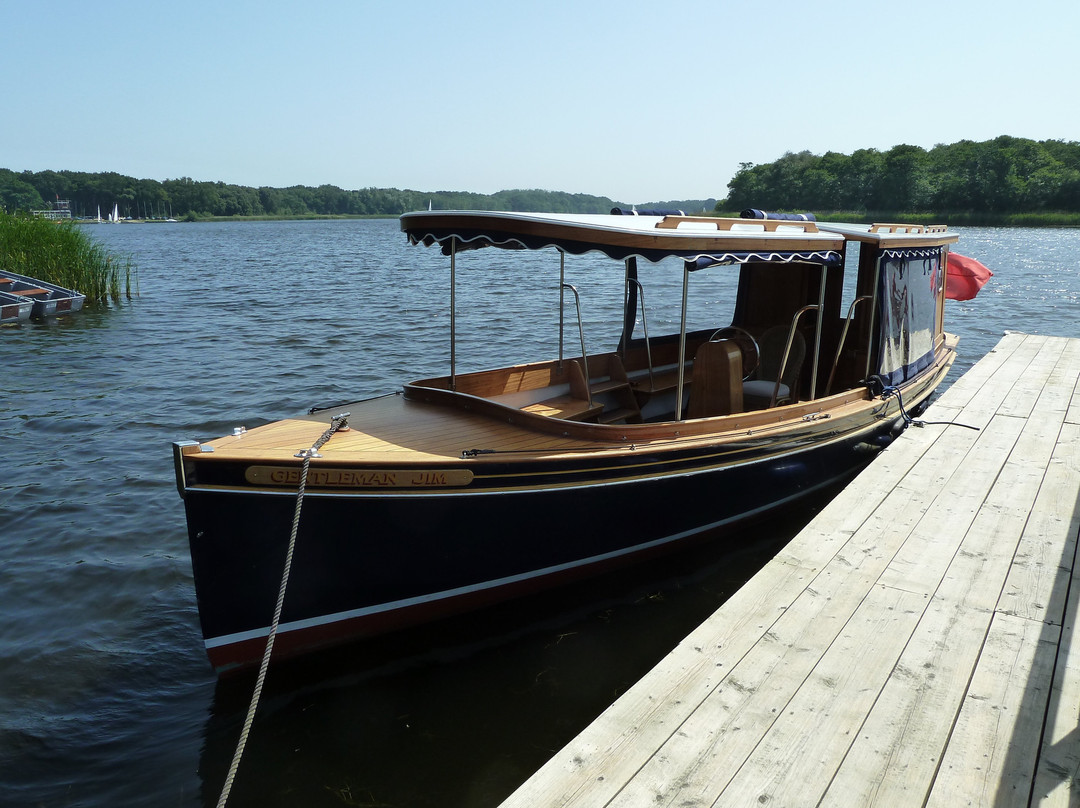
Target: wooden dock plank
1011, 350
1028, 389
1017, 480
906, 646
728, 729
1038, 581
1057, 779
910, 722
924, 557
901, 744
993, 759
816, 727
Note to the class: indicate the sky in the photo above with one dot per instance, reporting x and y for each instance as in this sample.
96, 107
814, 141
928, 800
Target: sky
636, 101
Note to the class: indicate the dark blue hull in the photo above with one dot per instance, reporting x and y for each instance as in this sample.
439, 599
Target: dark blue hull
370, 563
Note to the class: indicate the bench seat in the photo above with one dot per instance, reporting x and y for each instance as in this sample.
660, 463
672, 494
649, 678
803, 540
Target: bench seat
568, 408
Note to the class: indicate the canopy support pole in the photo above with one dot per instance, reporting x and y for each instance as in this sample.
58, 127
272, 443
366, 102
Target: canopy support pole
453, 310
817, 332
873, 320
562, 311
682, 342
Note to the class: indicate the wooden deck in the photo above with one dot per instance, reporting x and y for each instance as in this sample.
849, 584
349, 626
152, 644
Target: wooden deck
914, 645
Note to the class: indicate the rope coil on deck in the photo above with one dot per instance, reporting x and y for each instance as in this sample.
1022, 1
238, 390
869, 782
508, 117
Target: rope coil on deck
337, 422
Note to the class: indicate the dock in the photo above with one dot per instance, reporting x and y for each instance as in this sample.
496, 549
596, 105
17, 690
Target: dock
914, 645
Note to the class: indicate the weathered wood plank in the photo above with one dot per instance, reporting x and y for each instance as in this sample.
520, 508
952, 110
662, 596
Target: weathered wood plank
896, 754
894, 759
1057, 778
623, 739
1038, 580
740, 714
990, 760
973, 381
816, 727
925, 555
1028, 388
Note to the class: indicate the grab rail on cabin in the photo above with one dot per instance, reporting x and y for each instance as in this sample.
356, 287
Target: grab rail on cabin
843, 338
787, 351
644, 326
720, 223
915, 229
581, 336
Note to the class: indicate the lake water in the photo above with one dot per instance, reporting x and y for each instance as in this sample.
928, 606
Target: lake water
106, 697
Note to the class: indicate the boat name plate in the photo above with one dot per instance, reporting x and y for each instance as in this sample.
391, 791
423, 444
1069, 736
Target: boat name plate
359, 478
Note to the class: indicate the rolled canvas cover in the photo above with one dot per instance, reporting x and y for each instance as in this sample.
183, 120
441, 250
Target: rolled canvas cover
910, 285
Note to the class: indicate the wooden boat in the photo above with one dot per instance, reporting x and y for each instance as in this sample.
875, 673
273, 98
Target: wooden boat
14, 308
47, 299
471, 488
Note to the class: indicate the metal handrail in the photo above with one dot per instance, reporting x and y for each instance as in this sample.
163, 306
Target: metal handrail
562, 283
644, 325
787, 347
681, 385
843, 339
581, 335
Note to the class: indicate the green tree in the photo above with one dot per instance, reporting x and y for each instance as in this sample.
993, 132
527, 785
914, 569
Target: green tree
18, 195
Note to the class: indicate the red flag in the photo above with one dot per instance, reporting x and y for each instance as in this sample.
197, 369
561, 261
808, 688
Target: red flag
964, 277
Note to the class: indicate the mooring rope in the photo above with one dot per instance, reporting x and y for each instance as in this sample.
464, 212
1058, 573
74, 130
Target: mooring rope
893, 391
336, 422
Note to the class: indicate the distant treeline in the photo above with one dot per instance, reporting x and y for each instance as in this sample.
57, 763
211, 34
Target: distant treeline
1006, 175
988, 181
187, 198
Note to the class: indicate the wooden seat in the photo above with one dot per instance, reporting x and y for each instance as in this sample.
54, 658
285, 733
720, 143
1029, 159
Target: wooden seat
716, 385
568, 408
607, 377
661, 381
605, 397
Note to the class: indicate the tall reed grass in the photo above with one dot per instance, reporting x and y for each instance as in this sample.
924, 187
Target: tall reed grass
63, 254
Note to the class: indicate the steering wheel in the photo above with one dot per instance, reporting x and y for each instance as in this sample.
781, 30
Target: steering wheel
747, 344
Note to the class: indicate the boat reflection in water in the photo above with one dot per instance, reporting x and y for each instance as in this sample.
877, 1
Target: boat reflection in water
469, 489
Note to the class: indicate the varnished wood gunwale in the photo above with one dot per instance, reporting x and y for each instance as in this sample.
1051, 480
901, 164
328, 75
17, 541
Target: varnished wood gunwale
517, 449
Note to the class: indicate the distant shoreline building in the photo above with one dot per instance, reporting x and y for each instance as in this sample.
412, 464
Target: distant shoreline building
61, 210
